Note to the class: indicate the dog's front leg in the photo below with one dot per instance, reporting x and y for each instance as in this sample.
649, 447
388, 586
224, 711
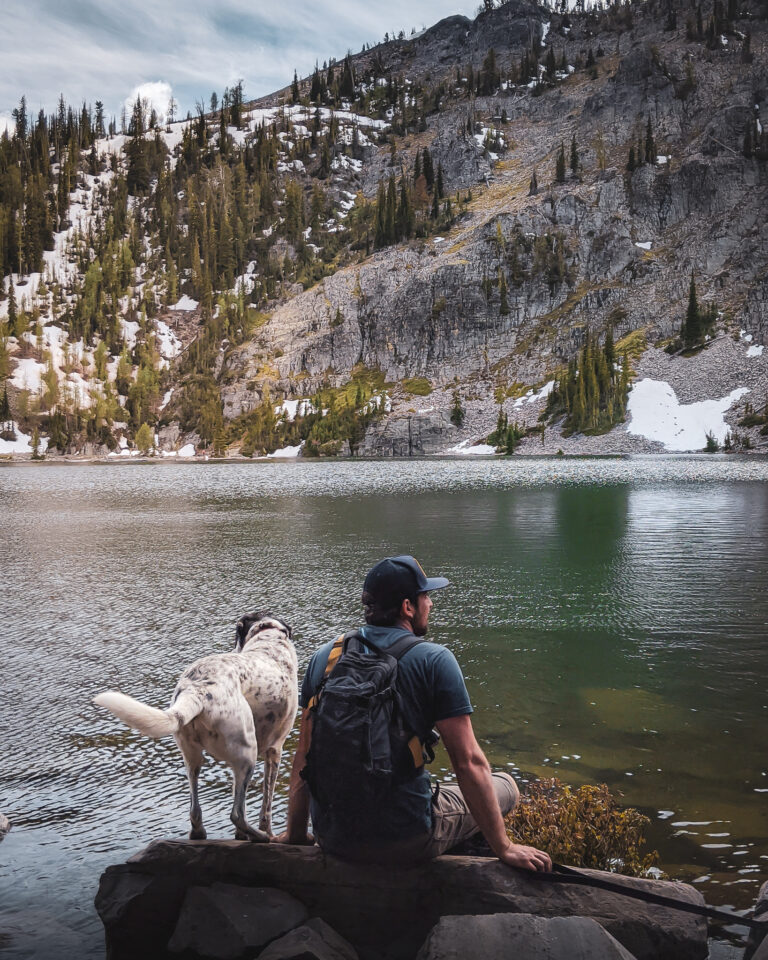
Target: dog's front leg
272, 757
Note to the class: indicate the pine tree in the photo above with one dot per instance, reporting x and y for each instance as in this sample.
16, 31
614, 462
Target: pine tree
36, 455
574, 156
429, 170
533, 189
610, 351
316, 87
560, 165
631, 162
145, 439
381, 217
5, 406
347, 85
691, 329
295, 94
391, 212
458, 412
12, 311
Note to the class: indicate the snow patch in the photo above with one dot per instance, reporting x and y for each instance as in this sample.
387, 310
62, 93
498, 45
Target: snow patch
22, 443
186, 303
293, 407
188, 450
28, 375
286, 453
644, 245
532, 396
468, 448
755, 350
168, 343
656, 414
130, 330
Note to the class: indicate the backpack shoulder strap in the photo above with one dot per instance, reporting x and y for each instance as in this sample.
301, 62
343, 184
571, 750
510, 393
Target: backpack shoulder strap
403, 644
333, 656
333, 659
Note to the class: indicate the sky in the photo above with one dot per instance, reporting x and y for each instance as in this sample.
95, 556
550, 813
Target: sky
110, 49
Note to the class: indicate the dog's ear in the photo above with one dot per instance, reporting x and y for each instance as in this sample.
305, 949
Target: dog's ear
242, 627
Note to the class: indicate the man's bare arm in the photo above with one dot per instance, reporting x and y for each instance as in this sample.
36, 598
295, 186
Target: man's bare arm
298, 791
474, 776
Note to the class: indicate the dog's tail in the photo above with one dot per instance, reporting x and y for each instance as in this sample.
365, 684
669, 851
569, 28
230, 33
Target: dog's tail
149, 720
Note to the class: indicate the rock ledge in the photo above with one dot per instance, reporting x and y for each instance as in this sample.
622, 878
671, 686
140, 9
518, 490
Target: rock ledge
383, 912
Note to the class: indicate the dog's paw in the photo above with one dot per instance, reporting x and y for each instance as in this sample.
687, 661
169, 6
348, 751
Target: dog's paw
198, 834
254, 836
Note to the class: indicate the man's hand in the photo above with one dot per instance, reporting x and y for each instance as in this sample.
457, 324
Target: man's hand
306, 841
526, 858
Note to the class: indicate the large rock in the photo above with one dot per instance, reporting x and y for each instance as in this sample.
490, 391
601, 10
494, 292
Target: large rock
5, 825
381, 911
313, 941
225, 921
408, 436
521, 936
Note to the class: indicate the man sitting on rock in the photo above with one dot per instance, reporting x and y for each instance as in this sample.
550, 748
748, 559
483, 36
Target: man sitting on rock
405, 822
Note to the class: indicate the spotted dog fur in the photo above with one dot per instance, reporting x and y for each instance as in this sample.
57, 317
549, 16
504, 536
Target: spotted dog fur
238, 707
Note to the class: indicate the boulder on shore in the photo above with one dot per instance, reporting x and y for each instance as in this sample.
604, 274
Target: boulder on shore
521, 936
226, 921
315, 940
382, 911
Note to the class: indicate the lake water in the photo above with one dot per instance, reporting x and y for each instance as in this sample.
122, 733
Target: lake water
610, 616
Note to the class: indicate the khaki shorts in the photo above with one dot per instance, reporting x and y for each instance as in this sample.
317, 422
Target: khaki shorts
452, 823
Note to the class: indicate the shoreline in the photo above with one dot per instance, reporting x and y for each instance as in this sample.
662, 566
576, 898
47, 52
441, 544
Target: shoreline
75, 460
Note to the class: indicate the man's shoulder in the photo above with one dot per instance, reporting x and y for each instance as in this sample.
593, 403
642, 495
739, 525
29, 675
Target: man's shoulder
433, 652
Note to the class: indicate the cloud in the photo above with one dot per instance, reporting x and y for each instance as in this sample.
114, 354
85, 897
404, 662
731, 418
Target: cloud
102, 49
156, 93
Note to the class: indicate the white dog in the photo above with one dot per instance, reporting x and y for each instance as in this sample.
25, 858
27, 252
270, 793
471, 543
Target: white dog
237, 707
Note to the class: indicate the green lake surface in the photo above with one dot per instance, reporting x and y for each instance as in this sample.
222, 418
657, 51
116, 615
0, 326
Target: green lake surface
611, 618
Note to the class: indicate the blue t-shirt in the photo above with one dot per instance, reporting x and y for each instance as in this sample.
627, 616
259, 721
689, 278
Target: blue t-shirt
431, 688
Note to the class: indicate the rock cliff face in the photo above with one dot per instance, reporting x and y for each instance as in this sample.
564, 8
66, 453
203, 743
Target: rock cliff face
607, 248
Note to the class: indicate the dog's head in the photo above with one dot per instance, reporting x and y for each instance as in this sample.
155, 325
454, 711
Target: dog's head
251, 623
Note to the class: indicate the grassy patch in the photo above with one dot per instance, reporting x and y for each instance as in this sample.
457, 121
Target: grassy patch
417, 387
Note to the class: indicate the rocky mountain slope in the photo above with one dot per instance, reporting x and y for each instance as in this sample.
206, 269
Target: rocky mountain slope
588, 170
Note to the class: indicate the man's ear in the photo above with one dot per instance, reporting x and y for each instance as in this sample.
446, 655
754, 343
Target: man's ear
407, 609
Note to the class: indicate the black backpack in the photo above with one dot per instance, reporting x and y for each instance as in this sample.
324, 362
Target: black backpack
360, 746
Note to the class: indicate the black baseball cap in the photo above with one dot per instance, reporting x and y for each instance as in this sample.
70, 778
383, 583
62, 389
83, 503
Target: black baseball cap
394, 579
